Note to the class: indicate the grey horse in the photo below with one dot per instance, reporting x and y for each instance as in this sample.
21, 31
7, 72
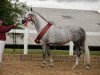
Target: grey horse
56, 35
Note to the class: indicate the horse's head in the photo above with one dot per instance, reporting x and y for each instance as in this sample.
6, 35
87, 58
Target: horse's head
29, 17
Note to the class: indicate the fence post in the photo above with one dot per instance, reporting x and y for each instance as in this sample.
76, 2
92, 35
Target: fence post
26, 41
71, 46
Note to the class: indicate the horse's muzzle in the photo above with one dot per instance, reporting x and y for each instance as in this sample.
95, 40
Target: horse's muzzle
24, 21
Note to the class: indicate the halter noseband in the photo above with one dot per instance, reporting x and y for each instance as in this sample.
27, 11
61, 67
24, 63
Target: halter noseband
29, 19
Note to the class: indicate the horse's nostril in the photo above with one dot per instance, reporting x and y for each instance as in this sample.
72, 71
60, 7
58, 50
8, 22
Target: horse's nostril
23, 21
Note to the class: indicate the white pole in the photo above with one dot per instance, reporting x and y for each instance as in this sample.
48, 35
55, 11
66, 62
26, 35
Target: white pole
26, 41
71, 48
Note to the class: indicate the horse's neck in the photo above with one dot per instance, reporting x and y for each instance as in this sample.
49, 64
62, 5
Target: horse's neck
41, 23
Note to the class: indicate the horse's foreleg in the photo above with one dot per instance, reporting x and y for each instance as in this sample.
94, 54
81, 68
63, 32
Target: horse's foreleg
44, 55
49, 54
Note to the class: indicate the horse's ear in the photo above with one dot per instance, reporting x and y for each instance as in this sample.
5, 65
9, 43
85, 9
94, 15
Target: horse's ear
31, 9
28, 9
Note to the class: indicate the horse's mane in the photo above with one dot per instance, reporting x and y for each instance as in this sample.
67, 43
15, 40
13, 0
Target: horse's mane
40, 15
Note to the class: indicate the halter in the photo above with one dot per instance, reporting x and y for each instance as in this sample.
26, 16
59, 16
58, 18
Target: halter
28, 19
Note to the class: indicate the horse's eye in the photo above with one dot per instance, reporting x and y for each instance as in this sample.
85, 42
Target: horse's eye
29, 14
29, 18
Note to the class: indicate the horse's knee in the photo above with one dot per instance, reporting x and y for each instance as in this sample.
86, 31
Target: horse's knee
44, 54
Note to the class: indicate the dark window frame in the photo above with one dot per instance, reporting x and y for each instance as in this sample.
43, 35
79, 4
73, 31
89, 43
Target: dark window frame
67, 17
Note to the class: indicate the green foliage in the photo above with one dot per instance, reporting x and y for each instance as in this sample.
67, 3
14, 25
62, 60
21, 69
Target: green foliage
10, 10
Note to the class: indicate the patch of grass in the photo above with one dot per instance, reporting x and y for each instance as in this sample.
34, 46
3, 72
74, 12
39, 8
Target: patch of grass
10, 51
39, 51
95, 52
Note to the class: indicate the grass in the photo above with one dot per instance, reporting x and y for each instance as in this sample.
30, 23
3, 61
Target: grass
39, 51
33, 51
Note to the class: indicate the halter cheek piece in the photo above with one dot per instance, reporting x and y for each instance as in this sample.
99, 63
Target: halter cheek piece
27, 20
31, 18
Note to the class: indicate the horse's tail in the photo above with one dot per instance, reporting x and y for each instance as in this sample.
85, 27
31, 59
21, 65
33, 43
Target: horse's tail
87, 53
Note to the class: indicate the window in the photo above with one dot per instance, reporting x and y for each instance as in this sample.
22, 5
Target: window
67, 17
98, 23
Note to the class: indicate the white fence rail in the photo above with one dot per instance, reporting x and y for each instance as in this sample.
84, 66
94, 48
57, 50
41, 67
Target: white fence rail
26, 32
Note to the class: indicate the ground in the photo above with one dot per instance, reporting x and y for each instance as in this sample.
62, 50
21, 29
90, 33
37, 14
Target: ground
18, 64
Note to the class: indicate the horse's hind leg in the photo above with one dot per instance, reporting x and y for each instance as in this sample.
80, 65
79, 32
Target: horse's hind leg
87, 55
79, 47
49, 54
78, 53
44, 55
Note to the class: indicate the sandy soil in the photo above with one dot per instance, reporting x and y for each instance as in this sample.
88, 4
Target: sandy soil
30, 65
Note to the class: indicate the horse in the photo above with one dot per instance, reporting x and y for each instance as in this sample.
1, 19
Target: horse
56, 35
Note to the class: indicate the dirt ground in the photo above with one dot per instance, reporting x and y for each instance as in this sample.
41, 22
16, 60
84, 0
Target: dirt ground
30, 65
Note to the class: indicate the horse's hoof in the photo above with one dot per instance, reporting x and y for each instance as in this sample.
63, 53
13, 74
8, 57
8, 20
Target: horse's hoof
42, 65
51, 65
88, 67
73, 67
